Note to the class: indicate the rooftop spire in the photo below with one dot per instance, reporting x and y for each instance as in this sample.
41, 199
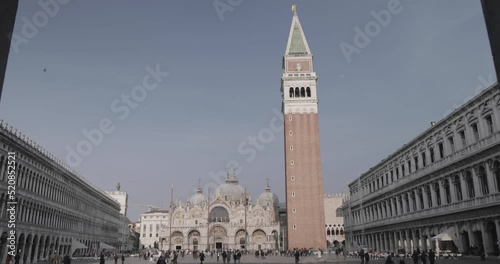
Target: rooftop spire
268, 187
297, 43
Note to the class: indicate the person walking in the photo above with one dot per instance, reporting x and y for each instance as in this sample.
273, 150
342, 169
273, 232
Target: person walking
432, 256
423, 257
101, 259
161, 260
116, 258
297, 255
202, 257
123, 259
367, 257
67, 260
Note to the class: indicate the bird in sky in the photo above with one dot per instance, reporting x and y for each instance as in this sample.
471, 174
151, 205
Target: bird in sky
44, 69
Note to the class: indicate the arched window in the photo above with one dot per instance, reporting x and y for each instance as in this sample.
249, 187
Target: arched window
341, 232
447, 193
219, 214
308, 92
496, 174
328, 232
483, 182
291, 92
337, 232
438, 194
297, 92
458, 188
470, 185
302, 92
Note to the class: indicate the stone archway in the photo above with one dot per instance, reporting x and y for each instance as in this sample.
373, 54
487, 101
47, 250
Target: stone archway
240, 239
194, 240
218, 238
176, 240
491, 243
259, 239
3, 246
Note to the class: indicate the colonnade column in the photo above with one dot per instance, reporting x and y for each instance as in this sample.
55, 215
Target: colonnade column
393, 207
489, 176
426, 200
417, 198
433, 195
477, 190
388, 241
396, 244
485, 238
497, 227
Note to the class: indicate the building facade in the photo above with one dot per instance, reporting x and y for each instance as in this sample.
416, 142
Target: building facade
200, 224
334, 221
303, 179
124, 233
440, 191
55, 208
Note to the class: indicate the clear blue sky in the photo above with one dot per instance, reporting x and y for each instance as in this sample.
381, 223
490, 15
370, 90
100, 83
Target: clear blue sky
224, 83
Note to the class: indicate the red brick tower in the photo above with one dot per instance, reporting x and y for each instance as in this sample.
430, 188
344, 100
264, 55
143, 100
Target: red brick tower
304, 182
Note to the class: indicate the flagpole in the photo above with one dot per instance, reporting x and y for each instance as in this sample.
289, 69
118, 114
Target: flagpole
171, 209
208, 219
246, 234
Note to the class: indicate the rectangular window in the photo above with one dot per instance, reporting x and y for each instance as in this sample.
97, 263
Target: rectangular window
403, 169
441, 150
462, 138
452, 144
424, 161
431, 151
397, 173
415, 159
392, 175
475, 131
409, 166
489, 123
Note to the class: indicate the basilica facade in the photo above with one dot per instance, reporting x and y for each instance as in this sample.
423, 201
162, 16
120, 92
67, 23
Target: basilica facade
218, 223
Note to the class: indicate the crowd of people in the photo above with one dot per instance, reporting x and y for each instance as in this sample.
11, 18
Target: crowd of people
417, 257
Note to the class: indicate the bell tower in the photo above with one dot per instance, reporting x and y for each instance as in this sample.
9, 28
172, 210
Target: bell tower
304, 182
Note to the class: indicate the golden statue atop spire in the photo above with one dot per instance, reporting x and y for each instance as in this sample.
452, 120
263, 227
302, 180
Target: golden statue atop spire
294, 8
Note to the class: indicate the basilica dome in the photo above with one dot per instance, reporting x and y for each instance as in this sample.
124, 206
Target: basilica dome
268, 198
198, 198
231, 191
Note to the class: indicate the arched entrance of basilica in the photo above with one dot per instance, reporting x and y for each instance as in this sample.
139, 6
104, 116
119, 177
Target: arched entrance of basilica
193, 240
259, 239
239, 239
177, 238
218, 237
